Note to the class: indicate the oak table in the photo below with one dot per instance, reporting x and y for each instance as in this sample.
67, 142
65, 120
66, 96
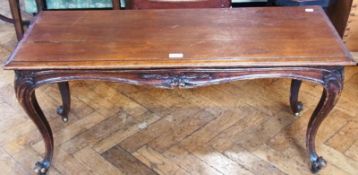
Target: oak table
182, 48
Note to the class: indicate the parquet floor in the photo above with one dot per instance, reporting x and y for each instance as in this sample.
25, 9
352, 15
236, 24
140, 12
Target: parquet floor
243, 127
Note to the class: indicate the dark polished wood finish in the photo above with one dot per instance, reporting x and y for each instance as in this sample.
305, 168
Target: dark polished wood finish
333, 85
205, 37
181, 49
296, 106
25, 93
63, 110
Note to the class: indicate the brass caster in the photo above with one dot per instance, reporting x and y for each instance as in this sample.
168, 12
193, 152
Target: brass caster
299, 109
65, 119
60, 111
41, 168
318, 164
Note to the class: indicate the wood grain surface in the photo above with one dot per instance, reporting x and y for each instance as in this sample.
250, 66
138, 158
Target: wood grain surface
245, 37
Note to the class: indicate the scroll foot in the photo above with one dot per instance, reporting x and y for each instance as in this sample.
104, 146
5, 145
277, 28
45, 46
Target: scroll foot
41, 168
318, 164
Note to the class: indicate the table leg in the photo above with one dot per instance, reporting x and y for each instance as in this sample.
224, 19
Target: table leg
333, 84
296, 106
64, 109
25, 93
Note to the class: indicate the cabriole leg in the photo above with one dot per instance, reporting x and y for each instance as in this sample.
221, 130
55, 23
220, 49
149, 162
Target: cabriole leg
296, 106
25, 93
64, 109
332, 88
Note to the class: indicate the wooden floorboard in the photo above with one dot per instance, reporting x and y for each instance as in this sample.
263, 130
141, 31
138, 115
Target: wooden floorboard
242, 127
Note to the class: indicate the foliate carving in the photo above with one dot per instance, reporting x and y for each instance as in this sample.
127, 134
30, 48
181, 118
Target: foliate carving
334, 76
27, 77
180, 80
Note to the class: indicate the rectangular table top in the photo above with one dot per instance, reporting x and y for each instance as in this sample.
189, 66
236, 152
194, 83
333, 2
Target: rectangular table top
122, 39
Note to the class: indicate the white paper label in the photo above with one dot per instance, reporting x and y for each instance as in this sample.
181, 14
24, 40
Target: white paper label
176, 55
309, 10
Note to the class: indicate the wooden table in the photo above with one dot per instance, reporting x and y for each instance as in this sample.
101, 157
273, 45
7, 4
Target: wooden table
180, 49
